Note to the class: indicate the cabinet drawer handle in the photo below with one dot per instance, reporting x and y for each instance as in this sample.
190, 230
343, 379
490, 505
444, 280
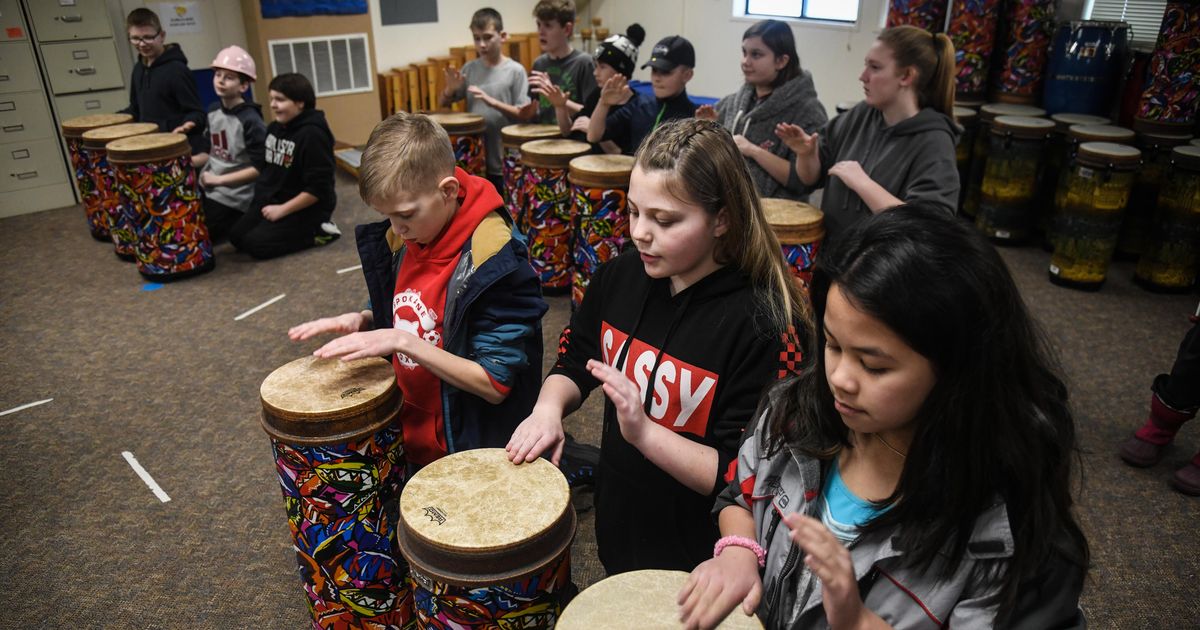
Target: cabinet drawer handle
90, 70
91, 104
20, 154
3, 77
12, 128
81, 54
8, 106
26, 175
71, 18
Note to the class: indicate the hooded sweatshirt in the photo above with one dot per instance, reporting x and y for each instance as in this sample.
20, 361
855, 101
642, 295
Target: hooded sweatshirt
913, 159
234, 141
298, 158
419, 307
630, 124
742, 113
165, 94
708, 359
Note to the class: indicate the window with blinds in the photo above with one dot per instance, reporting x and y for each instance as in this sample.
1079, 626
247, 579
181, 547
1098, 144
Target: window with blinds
335, 65
1144, 17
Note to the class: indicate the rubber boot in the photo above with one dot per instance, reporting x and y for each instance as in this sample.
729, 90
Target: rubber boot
1146, 447
1187, 479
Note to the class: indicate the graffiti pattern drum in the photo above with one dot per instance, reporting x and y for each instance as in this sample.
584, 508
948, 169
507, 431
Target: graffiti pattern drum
72, 131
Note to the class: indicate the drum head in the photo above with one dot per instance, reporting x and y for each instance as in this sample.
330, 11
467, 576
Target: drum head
1187, 156
794, 221
552, 153
98, 138
1102, 154
992, 110
473, 517
965, 114
638, 599
328, 401
515, 135
1022, 126
1102, 133
1063, 122
600, 171
150, 147
458, 122
74, 127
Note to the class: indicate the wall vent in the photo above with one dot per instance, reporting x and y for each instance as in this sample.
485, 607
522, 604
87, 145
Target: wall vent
335, 65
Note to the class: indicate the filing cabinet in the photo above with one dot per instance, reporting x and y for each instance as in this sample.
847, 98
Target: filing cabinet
82, 66
31, 164
24, 116
56, 21
107, 102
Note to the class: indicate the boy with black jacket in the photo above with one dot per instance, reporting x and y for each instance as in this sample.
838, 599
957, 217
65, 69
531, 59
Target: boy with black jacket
161, 89
293, 196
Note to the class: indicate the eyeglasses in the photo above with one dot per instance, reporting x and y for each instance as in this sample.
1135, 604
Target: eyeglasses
144, 40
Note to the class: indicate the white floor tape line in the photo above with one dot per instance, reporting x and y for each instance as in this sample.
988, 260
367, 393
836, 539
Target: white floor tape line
137, 468
25, 406
259, 307
349, 269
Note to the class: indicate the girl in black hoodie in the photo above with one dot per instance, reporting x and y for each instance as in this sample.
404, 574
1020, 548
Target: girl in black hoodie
698, 320
293, 195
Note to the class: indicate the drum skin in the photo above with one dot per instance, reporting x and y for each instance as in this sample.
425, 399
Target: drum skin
638, 599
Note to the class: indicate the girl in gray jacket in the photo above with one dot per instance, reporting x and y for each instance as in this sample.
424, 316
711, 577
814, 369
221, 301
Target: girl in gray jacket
776, 91
917, 473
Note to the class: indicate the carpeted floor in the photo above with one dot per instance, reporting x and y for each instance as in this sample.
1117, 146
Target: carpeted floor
169, 376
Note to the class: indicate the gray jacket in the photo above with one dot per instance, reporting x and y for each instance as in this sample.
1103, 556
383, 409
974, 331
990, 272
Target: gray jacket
913, 159
793, 102
902, 596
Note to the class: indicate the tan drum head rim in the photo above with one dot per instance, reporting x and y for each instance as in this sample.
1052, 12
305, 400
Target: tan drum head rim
474, 518
991, 111
552, 153
313, 401
74, 127
459, 122
513, 136
794, 222
1163, 140
100, 137
601, 171
1102, 154
1102, 133
147, 148
638, 599
1187, 156
965, 113
1022, 126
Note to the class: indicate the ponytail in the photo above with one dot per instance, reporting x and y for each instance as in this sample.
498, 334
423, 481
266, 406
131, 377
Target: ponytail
932, 57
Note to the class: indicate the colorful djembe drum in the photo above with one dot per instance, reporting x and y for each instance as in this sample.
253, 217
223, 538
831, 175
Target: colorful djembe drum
338, 451
638, 599
512, 137
972, 29
466, 133
155, 172
1077, 135
1023, 59
72, 131
1010, 178
927, 14
1172, 256
1172, 94
550, 224
599, 184
800, 229
1097, 188
117, 209
1151, 177
979, 152
488, 541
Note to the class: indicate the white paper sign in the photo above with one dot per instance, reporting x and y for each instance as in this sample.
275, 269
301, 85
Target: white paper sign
180, 17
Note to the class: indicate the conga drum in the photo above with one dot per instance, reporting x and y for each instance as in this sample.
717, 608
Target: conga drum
488, 542
1065, 159
800, 229
979, 153
1087, 58
1097, 189
116, 208
72, 131
340, 459
1156, 160
969, 120
1053, 163
1172, 256
547, 193
512, 137
638, 599
1010, 178
466, 133
599, 184
155, 172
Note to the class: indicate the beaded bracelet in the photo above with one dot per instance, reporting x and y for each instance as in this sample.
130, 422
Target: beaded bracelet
741, 541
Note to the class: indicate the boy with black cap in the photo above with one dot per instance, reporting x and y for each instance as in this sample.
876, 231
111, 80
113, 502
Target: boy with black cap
671, 67
616, 55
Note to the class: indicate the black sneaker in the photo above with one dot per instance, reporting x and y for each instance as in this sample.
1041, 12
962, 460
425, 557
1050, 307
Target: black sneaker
327, 233
579, 462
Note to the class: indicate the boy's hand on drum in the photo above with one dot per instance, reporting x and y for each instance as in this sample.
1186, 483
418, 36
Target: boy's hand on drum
717, 586
540, 431
343, 324
801, 143
360, 345
627, 399
706, 112
850, 172
830, 561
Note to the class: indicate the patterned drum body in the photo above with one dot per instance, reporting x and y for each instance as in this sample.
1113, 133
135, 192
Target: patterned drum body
925, 14
1024, 62
1086, 61
972, 29
340, 460
599, 184
117, 208
1010, 178
800, 230
466, 136
1172, 257
81, 166
155, 172
488, 542
1172, 95
513, 136
548, 209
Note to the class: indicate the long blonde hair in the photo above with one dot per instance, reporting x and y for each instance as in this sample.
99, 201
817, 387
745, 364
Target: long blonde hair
932, 56
705, 167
